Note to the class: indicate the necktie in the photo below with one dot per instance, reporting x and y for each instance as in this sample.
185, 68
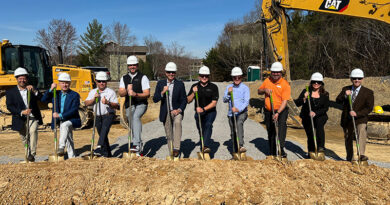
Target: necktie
354, 95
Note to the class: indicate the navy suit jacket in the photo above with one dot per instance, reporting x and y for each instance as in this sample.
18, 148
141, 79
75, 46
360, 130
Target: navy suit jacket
179, 97
71, 106
16, 105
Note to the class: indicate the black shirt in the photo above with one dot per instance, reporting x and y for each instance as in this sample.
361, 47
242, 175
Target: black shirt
206, 95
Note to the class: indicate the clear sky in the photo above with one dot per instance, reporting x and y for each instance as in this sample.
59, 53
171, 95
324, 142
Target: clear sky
194, 24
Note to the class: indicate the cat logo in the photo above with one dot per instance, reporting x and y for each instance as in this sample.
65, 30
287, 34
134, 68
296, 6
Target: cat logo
334, 5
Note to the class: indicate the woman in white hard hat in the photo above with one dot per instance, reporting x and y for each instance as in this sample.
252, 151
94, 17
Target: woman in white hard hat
241, 95
319, 101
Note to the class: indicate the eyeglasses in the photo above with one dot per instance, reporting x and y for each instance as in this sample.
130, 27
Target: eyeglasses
357, 78
236, 77
101, 81
170, 72
316, 82
204, 76
272, 72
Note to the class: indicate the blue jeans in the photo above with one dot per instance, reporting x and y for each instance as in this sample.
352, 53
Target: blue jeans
207, 120
138, 111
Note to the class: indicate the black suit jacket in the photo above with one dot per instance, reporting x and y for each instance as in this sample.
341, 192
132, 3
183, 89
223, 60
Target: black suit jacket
319, 109
16, 105
179, 97
364, 102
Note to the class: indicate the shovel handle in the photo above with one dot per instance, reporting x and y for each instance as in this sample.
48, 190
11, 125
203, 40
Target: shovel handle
354, 128
312, 122
235, 123
199, 122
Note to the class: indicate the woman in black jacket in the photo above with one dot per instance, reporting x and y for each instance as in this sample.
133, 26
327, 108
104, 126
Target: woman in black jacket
319, 100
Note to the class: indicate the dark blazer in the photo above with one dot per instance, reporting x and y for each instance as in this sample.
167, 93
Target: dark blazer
364, 102
321, 108
179, 97
71, 107
16, 105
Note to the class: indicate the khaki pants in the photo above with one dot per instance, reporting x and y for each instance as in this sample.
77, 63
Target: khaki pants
349, 136
176, 130
33, 137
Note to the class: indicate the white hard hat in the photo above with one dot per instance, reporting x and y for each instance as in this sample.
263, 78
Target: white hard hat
101, 76
64, 77
317, 77
20, 71
132, 60
276, 67
236, 71
171, 66
204, 70
357, 73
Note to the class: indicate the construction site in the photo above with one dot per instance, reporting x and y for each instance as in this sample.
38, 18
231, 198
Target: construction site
159, 174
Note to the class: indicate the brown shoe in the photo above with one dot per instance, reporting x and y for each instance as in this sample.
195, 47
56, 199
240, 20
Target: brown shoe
363, 158
206, 150
176, 153
242, 149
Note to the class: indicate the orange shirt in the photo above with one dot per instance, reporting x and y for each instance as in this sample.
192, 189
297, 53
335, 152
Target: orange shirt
281, 90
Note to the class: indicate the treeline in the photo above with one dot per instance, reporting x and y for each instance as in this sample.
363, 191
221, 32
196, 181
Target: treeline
330, 44
94, 47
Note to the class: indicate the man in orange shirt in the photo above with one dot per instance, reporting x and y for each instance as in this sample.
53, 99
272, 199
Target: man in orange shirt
281, 93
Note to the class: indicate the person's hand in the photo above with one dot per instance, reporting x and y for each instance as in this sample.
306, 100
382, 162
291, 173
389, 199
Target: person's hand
56, 115
306, 94
268, 91
105, 101
26, 112
97, 95
275, 117
348, 92
195, 89
235, 110
175, 112
129, 89
199, 110
132, 93
165, 89
230, 89
53, 85
312, 114
30, 87
353, 113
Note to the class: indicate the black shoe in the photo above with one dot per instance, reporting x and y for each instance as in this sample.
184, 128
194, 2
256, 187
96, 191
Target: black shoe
363, 158
176, 153
31, 158
206, 150
61, 151
321, 149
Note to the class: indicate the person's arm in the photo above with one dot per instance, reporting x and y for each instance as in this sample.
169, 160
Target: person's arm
340, 99
74, 107
90, 99
145, 88
183, 98
226, 96
122, 89
245, 102
211, 105
191, 95
157, 93
369, 105
301, 99
11, 105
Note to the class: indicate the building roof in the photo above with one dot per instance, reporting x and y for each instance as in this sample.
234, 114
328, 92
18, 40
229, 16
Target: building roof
110, 47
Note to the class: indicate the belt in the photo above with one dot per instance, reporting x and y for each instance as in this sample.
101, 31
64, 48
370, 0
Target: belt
107, 114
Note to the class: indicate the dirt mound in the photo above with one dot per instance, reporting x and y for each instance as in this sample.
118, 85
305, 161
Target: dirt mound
152, 181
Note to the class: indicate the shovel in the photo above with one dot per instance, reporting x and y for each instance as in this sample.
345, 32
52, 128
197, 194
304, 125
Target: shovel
91, 155
278, 147
201, 155
129, 154
358, 162
55, 157
241, 156
26, 147
171, 157
320, 156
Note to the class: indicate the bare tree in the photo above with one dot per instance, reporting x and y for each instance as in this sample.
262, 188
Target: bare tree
156, 53
59, 33
119, 35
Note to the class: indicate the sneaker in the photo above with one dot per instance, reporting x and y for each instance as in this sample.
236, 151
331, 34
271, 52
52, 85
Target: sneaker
206, 150
31, 158
176, 153
363, 158
61, 151
135, 148
242, 149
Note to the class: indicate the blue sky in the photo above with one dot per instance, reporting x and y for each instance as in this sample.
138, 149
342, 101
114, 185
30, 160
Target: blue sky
193, 24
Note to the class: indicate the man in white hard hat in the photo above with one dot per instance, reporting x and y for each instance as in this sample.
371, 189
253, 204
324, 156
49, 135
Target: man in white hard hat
67, 112
177, 104
17, 104
208, 97
105, 110
241, 95
281, 93
362, 104
136, 85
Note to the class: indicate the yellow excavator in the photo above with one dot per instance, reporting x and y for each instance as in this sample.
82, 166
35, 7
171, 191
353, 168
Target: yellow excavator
41, 75
275, 28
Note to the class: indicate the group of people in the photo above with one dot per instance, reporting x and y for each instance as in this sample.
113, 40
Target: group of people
171, 94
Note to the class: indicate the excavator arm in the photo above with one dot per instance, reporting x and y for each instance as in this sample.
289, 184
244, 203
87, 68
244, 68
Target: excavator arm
273, 16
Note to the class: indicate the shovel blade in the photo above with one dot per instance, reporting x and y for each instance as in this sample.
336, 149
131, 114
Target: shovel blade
360, 163
320, 156
89, 157
236, 156
170, 158
204, 156
200, 155
129, 155
176, 159
243, 156
54, 158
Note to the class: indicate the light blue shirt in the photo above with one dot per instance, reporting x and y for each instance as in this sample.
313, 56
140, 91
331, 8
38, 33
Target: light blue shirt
63, 97
241, 98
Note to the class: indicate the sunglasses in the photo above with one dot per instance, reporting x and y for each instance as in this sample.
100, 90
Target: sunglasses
170, 72
357, 78
236, 77
316, 82
101, 81
203, 76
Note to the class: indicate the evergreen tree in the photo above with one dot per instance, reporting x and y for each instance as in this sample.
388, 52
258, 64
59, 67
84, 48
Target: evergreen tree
91, 49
